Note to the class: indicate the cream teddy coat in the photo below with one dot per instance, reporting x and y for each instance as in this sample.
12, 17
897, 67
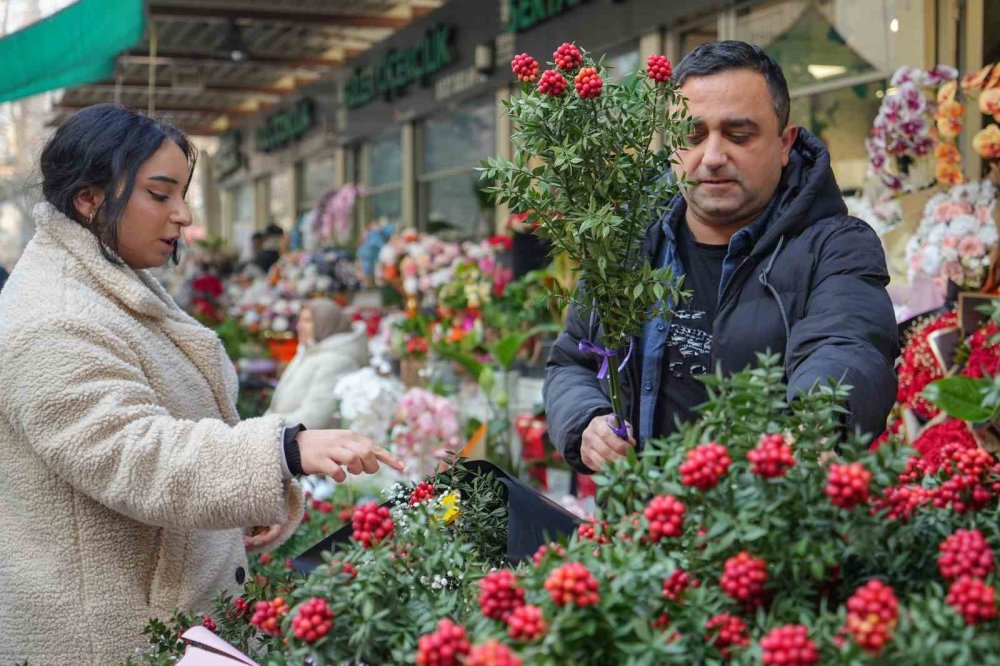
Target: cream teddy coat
306, 392
126, 476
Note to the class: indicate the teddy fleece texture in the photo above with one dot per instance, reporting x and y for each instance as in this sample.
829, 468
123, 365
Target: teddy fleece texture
126, 476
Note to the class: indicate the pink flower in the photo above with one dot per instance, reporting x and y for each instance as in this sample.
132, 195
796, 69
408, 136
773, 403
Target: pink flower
953, 271
971, 246
949, 242
983, 214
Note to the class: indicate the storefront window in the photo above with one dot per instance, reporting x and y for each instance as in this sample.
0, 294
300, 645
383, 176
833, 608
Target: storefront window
622, 63
454, 143
385, 175
699, 33
241, 202
836, 55
842, 118
315, 179
280, 204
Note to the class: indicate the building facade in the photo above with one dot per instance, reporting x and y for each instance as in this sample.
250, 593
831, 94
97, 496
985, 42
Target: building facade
411, 119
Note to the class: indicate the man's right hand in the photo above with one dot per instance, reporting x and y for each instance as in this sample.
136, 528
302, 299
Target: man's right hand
600, 445
329, 452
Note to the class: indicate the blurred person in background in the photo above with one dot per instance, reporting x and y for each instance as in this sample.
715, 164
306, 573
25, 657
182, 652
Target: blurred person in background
329, 348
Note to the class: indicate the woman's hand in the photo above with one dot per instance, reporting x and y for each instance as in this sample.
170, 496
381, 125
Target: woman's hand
258, 540
329, 452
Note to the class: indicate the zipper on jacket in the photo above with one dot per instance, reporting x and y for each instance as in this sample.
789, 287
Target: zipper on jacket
725, 287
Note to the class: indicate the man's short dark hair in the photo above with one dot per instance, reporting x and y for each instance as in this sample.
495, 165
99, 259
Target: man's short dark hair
716, 57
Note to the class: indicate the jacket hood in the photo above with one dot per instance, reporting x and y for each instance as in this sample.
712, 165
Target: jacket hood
353, 343
808, 192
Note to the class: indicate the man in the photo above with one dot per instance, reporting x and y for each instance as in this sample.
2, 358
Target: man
771, 258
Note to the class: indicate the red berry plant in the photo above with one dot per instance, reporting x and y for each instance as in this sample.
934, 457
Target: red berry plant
765, 532
587, 175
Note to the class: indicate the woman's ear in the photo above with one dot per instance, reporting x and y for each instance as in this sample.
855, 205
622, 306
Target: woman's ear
87, 201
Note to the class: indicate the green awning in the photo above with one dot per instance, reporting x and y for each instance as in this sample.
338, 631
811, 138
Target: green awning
74, 46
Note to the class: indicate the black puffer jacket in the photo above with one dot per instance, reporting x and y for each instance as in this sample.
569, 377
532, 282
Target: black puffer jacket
812, 287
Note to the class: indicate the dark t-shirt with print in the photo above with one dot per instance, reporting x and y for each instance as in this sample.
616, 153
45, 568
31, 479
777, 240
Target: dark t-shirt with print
689, 348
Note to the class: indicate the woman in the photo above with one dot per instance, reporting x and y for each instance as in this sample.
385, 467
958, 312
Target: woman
128, 480
329, 348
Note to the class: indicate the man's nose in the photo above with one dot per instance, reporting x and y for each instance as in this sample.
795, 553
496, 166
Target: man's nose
714, 156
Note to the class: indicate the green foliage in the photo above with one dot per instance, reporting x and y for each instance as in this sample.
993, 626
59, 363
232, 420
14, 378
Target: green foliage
584, 170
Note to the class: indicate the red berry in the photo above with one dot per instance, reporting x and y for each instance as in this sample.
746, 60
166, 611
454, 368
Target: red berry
725, 631
662, 621
491, 653
552, 83
208, 623
526, 623
267, 616
973, 462
704, 465
372, 524
567, 57
552, 549
743, 578
572, 583
788, 646
525, 67
445, 646
677, 583
872, 614
847, 485
903, 501
658, 68
772, 457
423, 491
238, 609
588, 83
973, 599
499, 594
594, 530
313, 620
665, 514
965, 553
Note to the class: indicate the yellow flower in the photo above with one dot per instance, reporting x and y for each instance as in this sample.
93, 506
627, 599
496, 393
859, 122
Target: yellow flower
948, 128
975, 79
989, 101
949, 174
950, 109
450, 502
946, 93
986, 143
947, 152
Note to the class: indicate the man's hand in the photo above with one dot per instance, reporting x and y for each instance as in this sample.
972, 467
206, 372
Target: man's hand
328, 452
600, 445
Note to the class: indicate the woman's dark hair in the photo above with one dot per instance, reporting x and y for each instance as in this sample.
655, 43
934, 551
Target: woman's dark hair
103, 146
730, 54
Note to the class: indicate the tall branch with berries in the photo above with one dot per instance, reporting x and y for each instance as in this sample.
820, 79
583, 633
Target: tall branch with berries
585, 172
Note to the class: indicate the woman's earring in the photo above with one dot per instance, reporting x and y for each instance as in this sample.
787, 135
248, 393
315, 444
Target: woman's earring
90, 218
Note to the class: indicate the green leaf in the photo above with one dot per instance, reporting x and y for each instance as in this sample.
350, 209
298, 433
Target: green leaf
960, 397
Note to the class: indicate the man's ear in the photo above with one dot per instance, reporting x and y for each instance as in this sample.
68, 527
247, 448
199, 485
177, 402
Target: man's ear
787, 141
87, 201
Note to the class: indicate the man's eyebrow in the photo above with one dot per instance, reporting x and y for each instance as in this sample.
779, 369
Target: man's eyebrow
740, 123
165, 179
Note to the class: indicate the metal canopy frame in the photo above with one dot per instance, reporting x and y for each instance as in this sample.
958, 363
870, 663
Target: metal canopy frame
184, 67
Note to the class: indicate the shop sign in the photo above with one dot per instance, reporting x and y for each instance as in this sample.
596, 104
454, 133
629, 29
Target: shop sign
521, 15
228, 158
286, 126
390, 76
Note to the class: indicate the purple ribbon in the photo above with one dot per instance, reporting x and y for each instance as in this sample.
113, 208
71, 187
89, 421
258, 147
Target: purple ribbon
607, 353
